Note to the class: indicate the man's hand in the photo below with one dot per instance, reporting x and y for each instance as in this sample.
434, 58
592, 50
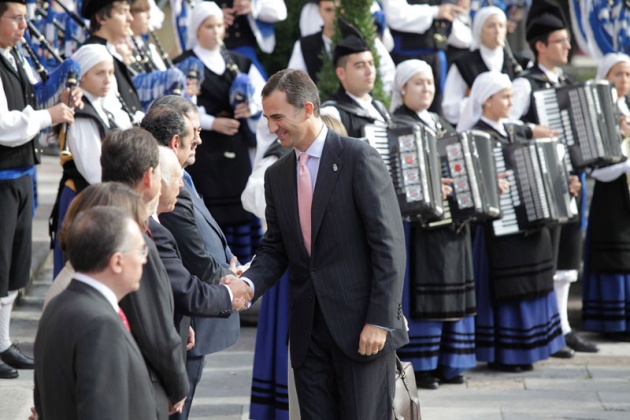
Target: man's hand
235, 267
228, 16
61, 113
372, 340
504, 185
242, 111
574, 185
449, 11
242, 294
242, 7
191, 338
177, 407
227, 126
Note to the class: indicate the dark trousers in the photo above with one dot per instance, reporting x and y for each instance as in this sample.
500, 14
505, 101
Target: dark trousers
331, 386
194, 368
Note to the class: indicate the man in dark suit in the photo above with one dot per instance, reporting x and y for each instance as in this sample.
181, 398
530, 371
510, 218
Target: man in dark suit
174, 121
132, 157
336, 223
87, 364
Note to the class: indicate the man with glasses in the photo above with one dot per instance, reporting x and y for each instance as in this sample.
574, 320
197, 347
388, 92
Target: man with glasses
20, 124
132, 158
88, 365
548, 37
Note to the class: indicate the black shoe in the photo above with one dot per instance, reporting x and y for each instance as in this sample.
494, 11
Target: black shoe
425, 380
505, 368
14, 357
456, 380
527, 368
576, 343
7, 372
564, 353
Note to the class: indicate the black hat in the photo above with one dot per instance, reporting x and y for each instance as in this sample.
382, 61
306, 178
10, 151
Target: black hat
90, 7
543, 18
13, 1
351, 43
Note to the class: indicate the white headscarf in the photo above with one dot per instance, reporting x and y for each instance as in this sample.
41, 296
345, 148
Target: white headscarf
405, 71
485, 85
90, 55
480, 18
201, 12
608, 63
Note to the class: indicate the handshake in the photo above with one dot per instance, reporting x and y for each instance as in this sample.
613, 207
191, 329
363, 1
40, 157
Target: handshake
242, 294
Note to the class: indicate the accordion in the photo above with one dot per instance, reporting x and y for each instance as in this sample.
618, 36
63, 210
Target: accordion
539, 186
468, 159
587, 120
410, 154
415, 168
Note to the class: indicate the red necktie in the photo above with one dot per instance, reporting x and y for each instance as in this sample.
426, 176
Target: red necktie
123, 317
305, 200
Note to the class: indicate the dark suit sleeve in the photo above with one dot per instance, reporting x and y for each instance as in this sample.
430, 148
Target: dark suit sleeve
378, 207
181, 222
192, 296
271, 260
150, 316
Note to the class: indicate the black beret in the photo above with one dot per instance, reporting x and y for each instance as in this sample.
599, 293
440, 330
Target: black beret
351, 43
543, 18
90, 7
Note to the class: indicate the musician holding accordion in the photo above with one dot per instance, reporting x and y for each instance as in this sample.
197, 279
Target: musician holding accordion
545, 95
20, 125
517, 320
439, 292
606, 275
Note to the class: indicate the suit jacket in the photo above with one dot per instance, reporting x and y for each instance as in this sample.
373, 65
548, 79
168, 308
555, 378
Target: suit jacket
203, 248
193, 296
357, 265
87, 364
150, 315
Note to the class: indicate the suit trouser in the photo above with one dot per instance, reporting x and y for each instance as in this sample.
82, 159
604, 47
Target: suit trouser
331, 385
194, 368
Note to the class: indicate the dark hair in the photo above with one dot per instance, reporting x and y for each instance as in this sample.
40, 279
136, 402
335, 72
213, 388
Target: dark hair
532, 44
4, 6
112, 194
167, 118
108, 224
103, 13
127, 155
298, 87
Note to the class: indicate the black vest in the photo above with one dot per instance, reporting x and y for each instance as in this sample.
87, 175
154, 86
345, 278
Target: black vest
538, 80
126, 88
312, 47
443, 127
240, 33
472, 65
19, 93
89, 112
353, 117
435, 38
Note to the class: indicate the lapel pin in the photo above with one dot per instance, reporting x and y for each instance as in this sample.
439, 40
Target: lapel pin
335, 167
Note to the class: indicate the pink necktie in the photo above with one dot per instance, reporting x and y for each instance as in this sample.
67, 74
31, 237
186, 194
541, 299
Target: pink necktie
122, 316
305, 200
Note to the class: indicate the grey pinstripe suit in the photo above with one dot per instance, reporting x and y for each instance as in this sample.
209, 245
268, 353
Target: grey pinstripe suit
355, 272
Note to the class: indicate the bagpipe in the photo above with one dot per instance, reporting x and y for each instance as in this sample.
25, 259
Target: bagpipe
241, 90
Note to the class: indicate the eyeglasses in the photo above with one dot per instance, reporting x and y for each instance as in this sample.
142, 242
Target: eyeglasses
560, 41
16, 19
143, 251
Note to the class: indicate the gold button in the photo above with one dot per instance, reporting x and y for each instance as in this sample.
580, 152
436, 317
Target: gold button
238, 34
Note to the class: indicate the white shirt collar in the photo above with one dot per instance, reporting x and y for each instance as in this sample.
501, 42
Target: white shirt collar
492, 57
104, 290
554, 77
98, 102
426, 116
623, 106
367, 105
497, 125
212, 59
316, 148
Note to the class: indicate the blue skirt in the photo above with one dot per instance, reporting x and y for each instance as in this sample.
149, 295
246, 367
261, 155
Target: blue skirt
67, 195
269, 397
516, 332
243, 239
605, 298
445, 345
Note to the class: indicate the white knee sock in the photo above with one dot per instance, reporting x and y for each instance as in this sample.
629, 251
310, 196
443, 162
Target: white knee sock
561, 282
6, 305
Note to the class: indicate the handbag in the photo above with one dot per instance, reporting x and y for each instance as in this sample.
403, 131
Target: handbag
406, 404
